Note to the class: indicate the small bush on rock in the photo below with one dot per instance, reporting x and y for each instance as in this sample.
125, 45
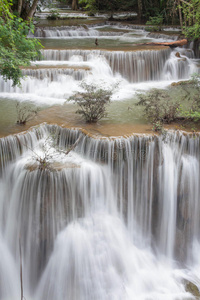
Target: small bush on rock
159, 107
25, 112
92, 102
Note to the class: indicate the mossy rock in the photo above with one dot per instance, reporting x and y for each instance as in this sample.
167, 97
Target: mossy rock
180, 83
192, 289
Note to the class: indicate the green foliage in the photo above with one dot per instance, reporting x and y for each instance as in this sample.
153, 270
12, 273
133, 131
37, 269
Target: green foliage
194, 115
157, 20
191, 12
152, 8
155, 23
166, 9
159, 107
157, 126
106, 5
192, 32
191, 89
92, 102
89, 5
16, 50
54, 15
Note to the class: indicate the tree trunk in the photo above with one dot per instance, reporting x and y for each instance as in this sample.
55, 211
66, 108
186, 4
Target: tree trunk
32, 10
180, 15
19, 8
139, 10
170, 44
74, 4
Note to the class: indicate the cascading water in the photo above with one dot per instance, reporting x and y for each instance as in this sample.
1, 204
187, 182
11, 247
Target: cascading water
58, 74
112, 219
109, 219
69, 31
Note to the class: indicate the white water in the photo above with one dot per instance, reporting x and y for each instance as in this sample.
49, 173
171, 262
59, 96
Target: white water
114, 219
103, 67
132, 71
70, 31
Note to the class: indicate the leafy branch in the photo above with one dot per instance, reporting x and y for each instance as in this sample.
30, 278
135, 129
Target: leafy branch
92, 101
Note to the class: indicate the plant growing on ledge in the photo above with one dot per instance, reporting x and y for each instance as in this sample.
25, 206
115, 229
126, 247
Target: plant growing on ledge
192, 92
54, 15
24, 113
159, 107
92, 102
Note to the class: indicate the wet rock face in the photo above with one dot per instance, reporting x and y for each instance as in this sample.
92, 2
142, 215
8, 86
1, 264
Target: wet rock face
177, 54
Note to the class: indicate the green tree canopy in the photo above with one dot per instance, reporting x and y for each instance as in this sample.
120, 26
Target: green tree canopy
108, 5
16, 50
191, 18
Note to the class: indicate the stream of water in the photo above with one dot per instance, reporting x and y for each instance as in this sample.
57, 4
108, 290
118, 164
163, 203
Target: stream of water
115, 218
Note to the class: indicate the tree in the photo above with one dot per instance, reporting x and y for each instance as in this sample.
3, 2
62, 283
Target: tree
167, 10
16, 50
112, 6
75, 4
191, 20
92, 102
139, 10
25, 9
107, 5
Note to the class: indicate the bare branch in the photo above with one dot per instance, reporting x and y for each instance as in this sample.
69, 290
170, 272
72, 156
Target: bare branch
74, 145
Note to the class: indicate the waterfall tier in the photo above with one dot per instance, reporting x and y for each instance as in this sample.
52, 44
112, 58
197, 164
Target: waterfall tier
59, 74
70, 31
134, 66
98, 212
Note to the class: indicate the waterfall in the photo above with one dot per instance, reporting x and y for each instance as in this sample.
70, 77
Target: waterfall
114, 218
9, 287
41, 78
55, 78
70, 31
54, 74
135, 66
163, 36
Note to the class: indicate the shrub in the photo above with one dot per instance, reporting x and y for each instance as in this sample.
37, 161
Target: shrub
159, 107
191, 88
24, 113
54, 15
157, 126
155, 23
92, 102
